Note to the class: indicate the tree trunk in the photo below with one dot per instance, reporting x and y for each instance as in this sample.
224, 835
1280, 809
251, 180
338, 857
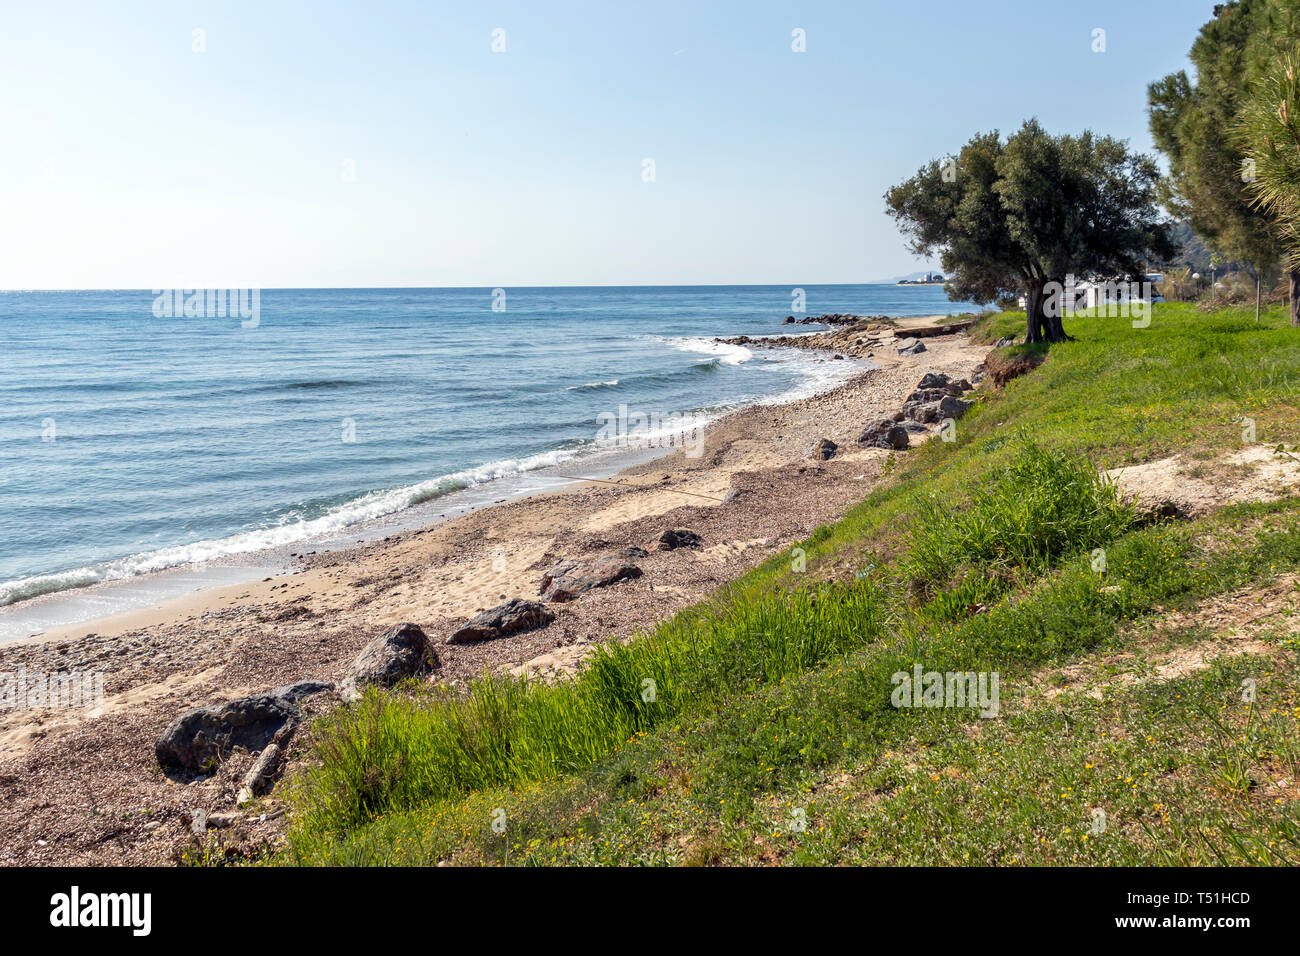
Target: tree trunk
1039, 326
1034, 297
1293, 286
1055, 331
1052, 328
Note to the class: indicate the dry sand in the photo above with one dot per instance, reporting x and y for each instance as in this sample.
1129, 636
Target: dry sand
80, 789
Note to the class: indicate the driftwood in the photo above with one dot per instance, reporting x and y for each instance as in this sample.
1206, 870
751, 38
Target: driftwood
262, 775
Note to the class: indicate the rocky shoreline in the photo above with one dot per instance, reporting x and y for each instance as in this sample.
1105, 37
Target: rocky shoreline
183, 754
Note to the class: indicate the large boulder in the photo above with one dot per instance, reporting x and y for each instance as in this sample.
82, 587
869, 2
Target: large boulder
401, 651
952, 407
885, 433
923, 396
200, 739
921, 411
511, 617
934, 380
910, 347
675, 538
568, 579
948, 406
933, 386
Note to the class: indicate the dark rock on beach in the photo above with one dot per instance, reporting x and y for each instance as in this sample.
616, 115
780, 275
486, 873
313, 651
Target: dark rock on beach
885, 433
569, 579
932, 380
936, 411
824, 450
511, 617
201, 738
675, 538
936, 398
399, 652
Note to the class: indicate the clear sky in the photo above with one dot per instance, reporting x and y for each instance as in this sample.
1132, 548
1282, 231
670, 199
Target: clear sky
385, 144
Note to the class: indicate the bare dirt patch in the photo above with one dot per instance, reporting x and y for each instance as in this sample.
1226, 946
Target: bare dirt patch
1236, 622
1188, 488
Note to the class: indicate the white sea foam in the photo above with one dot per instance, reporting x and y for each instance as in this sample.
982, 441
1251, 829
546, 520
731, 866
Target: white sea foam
724, 354
375, 504
820, 374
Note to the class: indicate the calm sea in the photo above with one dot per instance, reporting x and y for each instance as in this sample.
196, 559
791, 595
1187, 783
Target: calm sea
131, 443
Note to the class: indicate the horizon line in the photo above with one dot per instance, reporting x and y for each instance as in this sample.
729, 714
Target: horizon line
396, 288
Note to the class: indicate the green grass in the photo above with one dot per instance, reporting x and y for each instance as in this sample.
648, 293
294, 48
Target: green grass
979, 555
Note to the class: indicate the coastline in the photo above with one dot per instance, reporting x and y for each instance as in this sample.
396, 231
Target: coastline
62, 602
752, 493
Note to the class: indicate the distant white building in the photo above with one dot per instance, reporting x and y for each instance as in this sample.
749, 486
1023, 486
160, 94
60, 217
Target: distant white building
1080, 295
1100, 293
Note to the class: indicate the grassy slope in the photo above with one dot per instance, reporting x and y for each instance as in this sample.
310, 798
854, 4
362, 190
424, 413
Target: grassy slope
771, 737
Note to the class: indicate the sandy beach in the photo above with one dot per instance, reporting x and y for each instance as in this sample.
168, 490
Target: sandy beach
81, 789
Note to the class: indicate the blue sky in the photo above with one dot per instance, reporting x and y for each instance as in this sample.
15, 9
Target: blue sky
386, 144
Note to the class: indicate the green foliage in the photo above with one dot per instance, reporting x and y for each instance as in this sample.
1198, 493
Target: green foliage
1039, 507
1270, 125
388, 752
775, 695
1014, 216
1196, 127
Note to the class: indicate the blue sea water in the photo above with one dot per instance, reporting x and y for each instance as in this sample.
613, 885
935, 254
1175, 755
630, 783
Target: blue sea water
130, 443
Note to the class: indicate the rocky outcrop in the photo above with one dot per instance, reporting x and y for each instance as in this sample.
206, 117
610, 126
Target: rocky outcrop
571, 578
399, 652
512, 617
201, 738
834, 318
935, 398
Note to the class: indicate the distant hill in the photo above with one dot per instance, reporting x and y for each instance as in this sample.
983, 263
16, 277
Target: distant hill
1194, 254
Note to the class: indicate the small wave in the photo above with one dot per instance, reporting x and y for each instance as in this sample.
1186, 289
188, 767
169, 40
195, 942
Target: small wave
290, 529
29, 588
592, 385
325, 383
